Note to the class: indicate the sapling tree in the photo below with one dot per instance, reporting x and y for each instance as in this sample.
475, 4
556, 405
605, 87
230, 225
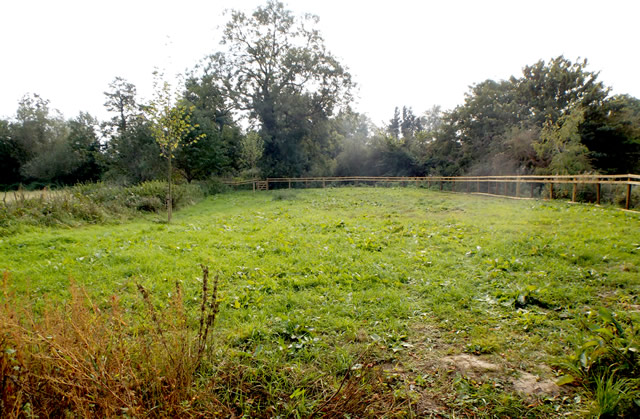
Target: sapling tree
252, 147
170, 124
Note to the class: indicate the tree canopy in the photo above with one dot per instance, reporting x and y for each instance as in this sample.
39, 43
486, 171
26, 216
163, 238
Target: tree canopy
271, 100
276, 69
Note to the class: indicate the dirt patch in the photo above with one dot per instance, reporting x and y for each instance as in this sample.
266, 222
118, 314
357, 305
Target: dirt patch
428, 405
470, 365
436, 361
521, 381
532, 385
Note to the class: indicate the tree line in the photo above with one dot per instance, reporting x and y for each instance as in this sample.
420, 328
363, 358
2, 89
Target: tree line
273, 101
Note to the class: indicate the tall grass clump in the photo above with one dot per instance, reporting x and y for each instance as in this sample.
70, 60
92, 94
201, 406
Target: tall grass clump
79, 360
147, 196
89, 203
607, 363
49, 208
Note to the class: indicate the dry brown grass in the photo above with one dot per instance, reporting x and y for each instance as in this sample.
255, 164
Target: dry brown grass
22, 195
77, 359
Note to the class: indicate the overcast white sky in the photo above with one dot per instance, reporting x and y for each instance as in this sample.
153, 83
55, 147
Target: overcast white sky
400, 52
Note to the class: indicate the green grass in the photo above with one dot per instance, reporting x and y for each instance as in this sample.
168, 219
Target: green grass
316, 283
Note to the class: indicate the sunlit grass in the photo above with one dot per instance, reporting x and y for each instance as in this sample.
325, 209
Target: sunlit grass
312, 281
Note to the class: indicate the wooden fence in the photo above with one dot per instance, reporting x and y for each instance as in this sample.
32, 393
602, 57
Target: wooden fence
515, 186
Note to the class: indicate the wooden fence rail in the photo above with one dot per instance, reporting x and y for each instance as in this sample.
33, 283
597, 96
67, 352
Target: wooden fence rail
471, 184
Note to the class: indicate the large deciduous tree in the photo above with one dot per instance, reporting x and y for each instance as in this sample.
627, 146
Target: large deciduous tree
217, 154
49, 149
276, 68
548, 91
499, 122
85, 146
121, 99
131, 154
560, 145
612, 135
9, 156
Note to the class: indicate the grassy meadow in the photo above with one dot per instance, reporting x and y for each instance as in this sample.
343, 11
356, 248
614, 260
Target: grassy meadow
347, 302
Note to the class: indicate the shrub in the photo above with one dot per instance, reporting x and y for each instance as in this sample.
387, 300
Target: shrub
212, 186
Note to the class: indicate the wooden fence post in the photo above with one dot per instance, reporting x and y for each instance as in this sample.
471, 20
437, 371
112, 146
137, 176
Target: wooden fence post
574, 194
598, 193
517, 187
628, 202
551, 190
506, 186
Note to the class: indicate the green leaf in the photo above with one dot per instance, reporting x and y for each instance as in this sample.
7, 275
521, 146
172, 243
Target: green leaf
299, 392
605, 314
565, 379
604, 331
584, 360
590, 344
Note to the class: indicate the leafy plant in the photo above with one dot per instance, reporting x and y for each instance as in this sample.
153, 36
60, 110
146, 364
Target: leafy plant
609, 345
610, 393
607, 362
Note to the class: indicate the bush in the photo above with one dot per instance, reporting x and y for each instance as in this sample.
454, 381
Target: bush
144, 203
621, 196
212, 186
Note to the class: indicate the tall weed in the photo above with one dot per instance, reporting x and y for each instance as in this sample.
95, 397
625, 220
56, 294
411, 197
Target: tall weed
82, 361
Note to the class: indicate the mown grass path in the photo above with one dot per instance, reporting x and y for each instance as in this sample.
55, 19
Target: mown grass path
312, 280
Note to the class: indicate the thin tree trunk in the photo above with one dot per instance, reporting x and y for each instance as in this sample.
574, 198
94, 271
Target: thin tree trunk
170, 195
